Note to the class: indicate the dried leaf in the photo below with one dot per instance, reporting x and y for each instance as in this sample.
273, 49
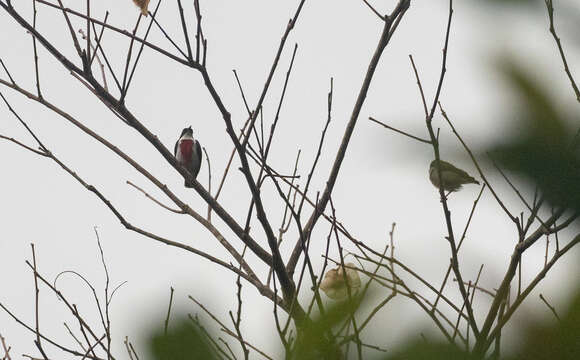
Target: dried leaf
143, 5
334, 284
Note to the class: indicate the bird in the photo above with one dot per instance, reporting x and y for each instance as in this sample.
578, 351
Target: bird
452, 177
143, 4
187, 151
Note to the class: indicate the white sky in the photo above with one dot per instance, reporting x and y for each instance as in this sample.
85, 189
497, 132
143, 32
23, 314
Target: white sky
383, 178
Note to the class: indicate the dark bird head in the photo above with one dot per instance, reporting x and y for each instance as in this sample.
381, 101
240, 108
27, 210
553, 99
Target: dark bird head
187, 131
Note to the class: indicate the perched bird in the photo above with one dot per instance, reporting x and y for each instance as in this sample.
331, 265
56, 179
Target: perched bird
143, 4
334, 284
451, 177
187, 151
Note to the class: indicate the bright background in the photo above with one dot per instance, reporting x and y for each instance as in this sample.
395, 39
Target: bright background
383, 178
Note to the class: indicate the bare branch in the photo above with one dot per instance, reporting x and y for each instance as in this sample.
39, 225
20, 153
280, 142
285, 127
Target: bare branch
550, 8
400, 131
242, 92
38, 152
72, 32
460, 243
552, 309
126, 88
155, 200
483, 177
246, 238
208, 182
120, 31
168, 312
185, 33
497, 330
289, 28
128, 59
225, 329
393, 19
423, 101
35, 52
29, 328
6, 348
7, 72
382, 17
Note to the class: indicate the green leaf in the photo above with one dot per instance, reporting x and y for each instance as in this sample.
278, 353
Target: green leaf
315, 340
560, 341
428, 351
544, 150
184, 341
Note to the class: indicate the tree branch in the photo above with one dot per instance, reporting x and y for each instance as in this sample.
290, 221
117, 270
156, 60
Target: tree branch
386, 34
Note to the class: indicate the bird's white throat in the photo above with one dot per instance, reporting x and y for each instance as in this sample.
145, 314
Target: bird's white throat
186, 137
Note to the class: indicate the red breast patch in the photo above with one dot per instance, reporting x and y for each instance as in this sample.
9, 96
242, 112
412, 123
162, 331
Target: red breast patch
186, 148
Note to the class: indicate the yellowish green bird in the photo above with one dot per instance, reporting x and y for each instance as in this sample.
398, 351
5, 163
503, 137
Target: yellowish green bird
452, 178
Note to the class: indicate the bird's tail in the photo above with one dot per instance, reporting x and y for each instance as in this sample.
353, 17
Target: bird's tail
188, 185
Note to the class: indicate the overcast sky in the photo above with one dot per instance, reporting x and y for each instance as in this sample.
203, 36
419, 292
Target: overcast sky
383, 178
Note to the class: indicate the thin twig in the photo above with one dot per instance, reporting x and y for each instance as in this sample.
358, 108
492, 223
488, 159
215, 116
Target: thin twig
126, 342
492, 294
29, 328
155, 200
11, 109
242, 92
99, 47
289, 28
133, 350
483, 177
225, 329
542, 274
483, 342
95, 55
382, 17
399, 131
41, 153
142, 47
264, 153
74, 337
208, 182
550, 8
349, 291
6, 348
419, 85
128, 61
36, 313
516, 190
185, 32
435, 143
238, 319
88, 49
35, 52
120, 31
7, 72
106, 320
386, 34
320, 145
216, 347
459, 245
166, 325
246, 238
552, 309
72, 32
